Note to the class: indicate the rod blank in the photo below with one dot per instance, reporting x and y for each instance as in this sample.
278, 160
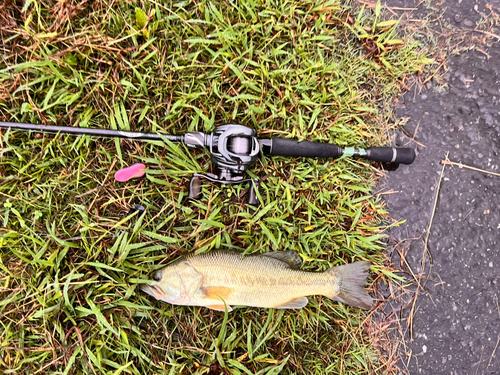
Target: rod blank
106, 133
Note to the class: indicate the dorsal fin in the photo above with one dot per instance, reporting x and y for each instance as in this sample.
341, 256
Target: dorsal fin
290, 257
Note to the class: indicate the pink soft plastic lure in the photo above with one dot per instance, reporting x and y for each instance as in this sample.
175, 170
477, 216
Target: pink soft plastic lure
134, 171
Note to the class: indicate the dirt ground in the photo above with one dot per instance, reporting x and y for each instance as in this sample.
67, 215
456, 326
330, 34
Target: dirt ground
453, 324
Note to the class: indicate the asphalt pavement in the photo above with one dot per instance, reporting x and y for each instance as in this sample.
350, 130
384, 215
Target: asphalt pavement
450, 200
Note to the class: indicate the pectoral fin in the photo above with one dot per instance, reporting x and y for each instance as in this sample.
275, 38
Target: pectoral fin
217, 292
220, 307
296, 303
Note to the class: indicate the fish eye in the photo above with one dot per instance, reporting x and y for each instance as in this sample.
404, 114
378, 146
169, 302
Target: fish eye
156, 276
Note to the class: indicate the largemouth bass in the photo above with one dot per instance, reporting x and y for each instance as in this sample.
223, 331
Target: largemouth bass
222, 279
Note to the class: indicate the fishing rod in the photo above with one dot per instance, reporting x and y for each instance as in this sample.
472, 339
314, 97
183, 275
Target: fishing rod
234, 149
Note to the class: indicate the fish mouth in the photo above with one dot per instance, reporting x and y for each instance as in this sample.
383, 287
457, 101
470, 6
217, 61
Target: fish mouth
152, 289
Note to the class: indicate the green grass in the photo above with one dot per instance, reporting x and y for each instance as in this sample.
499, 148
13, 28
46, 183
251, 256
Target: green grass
70, 261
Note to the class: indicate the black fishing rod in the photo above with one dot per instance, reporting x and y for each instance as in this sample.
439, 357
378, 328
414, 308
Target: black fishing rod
233, 149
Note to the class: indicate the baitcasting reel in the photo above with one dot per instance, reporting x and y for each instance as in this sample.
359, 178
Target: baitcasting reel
233, 149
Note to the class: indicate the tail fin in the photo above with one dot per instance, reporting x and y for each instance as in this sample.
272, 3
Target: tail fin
351, 279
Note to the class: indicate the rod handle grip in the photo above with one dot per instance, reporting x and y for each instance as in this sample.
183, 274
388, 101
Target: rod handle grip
391, 154
305, 149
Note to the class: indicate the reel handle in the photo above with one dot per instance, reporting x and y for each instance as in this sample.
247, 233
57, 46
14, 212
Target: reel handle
196, 182
252, 195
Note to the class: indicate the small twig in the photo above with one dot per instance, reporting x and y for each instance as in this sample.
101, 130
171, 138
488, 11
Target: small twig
82, 345
488, 33
412, 314
412, 137
494, 350
434, 212
466, 216
498, 341
479, 362
435, 72
332, 123
90, 191
447, 162
27, 349
373, 5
